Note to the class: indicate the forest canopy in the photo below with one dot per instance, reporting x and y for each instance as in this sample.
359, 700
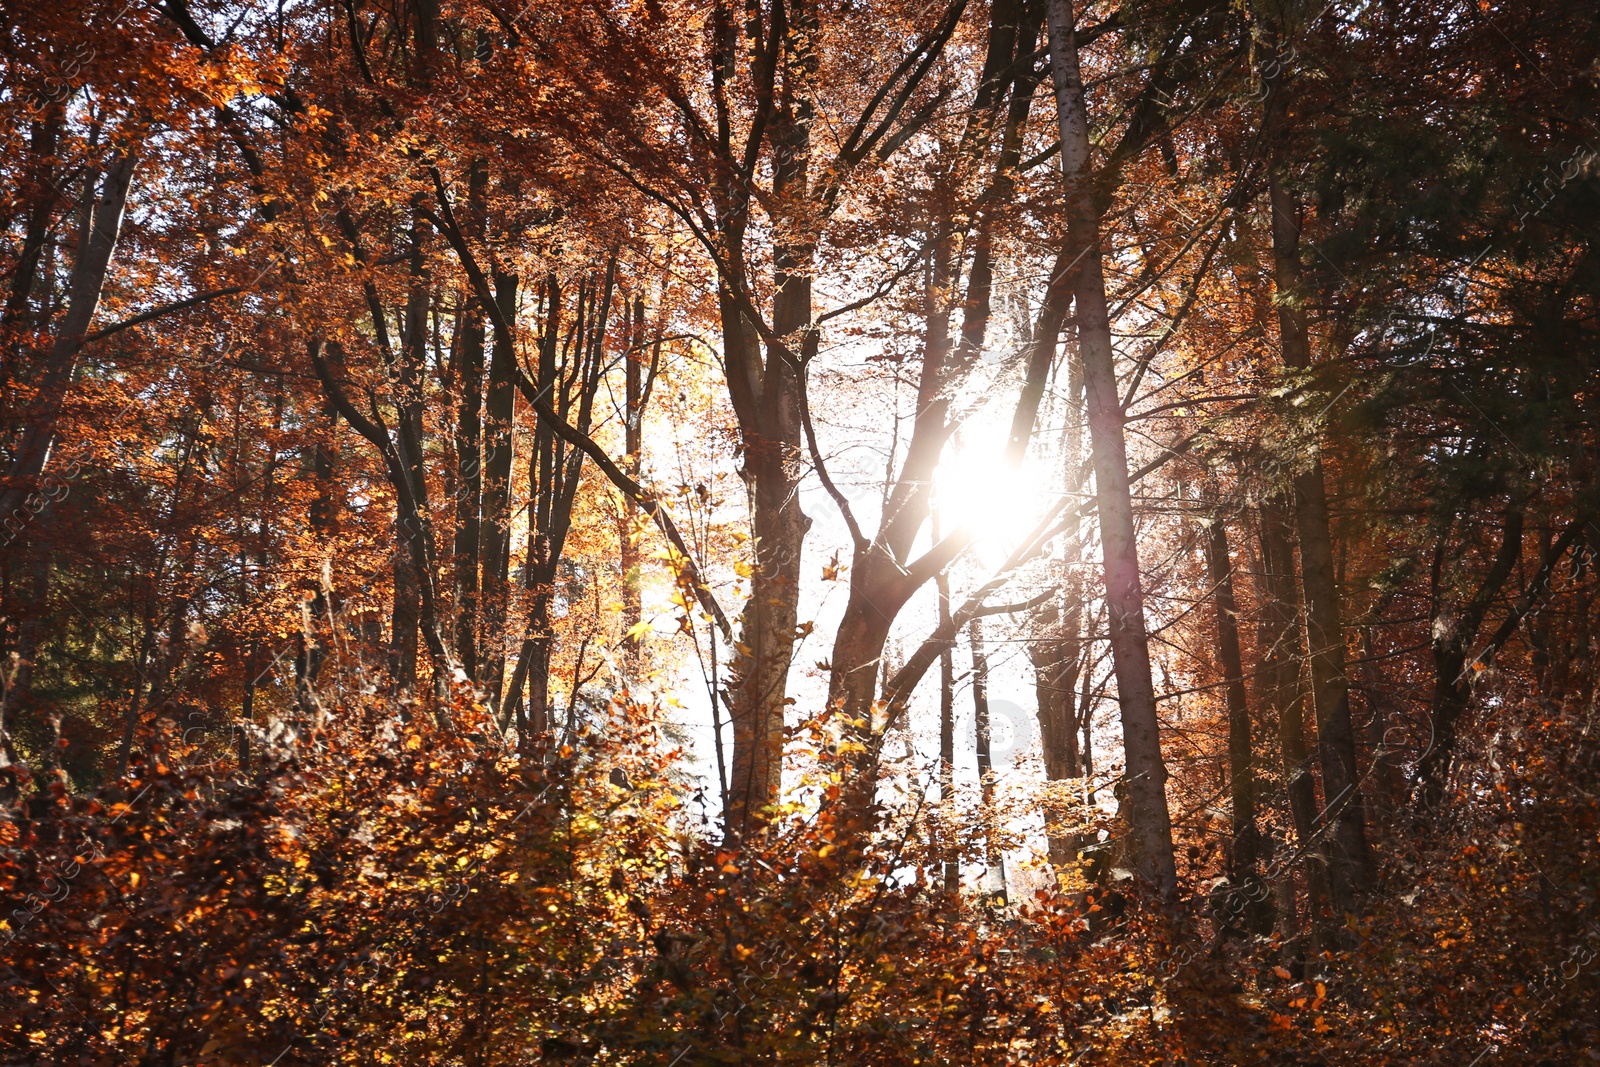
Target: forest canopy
823, 531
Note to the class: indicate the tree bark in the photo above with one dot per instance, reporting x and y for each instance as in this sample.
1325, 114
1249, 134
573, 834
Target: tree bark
1382, 796
767, 403
767, 632
1057, 654
1351, 872
1241, 759
494, 545
1249, 900
1350, 855
1058, 648
994, 877
1280, 639
469, 457
629, 557
947, 727
406, 616
536, 653
1148, 817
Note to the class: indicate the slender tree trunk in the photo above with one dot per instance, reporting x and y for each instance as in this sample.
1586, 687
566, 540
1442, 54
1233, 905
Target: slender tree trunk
1380, 799
469, 356
767, 633
410, 407
1241, 758
630, 559
324, 511
1249, 900
947, 730
767, 403
1086, 705
405, 619
494, 552
1350, 854
537, 651
950, 851
141, 663
994, 878
1330, 690
1280, 672
1057, 652
772, 471
247, 703
469, 488
253, 666
311, 655
1453, 630
1149, 819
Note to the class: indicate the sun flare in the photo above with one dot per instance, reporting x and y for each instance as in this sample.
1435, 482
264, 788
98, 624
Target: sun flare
979, 493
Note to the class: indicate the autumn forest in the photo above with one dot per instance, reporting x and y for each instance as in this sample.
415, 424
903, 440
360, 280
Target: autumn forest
850, 532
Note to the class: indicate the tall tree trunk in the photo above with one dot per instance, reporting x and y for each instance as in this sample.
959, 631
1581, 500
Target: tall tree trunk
1148, 817
1249, 895
947, 729
994, 876
494, 551
1330, 687
253, 666
247, 702
1350, 859
1381, 798
1241, 759
536, 650
1087, 699
1057, 652
43, 196
469, 451
1058, 649
1280, 676
405, 617
410, 406
324, 523
311, 654
636, 395
141, 663
767, 632
768, 407
409, 578
469, 489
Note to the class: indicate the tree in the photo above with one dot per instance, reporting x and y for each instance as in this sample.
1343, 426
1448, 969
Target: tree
1150, 822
